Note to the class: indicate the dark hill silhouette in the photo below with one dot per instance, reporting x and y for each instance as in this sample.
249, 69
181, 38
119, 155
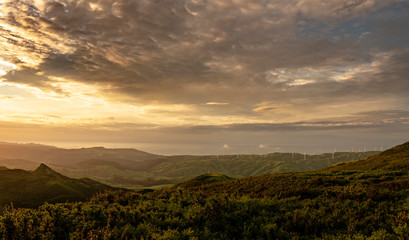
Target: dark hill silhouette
32, 188
46, 171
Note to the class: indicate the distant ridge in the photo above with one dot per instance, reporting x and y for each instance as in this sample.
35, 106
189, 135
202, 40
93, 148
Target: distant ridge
18, 163
38, 153
393, 159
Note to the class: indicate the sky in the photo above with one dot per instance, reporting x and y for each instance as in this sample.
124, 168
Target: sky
205, 76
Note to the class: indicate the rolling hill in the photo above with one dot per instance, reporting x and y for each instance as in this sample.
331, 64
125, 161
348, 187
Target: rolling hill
394, 159
204, 179
169, 170
134, 169
32, 188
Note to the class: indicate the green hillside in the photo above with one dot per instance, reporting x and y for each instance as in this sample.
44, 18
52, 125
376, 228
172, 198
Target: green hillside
252, 164
330, 205
205, 179
30, 189
395, 159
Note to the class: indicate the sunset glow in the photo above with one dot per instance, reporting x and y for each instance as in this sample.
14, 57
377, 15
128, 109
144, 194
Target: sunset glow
205, 76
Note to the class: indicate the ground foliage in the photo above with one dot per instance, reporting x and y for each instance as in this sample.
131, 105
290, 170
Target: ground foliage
336, 203
320, 205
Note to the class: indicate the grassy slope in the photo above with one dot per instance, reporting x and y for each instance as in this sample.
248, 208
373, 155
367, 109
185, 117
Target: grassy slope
394, 159
204, 179
250, 165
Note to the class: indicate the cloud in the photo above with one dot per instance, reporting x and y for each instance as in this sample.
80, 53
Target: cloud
216, 103
2, 97
213, 65
263, 108
170, 51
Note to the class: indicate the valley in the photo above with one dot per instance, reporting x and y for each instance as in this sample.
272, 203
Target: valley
136, 170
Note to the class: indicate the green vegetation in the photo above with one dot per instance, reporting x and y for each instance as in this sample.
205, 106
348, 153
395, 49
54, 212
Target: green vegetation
327, 205
205, 179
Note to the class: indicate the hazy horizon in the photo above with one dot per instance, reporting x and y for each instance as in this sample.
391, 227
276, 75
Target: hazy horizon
212, 149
